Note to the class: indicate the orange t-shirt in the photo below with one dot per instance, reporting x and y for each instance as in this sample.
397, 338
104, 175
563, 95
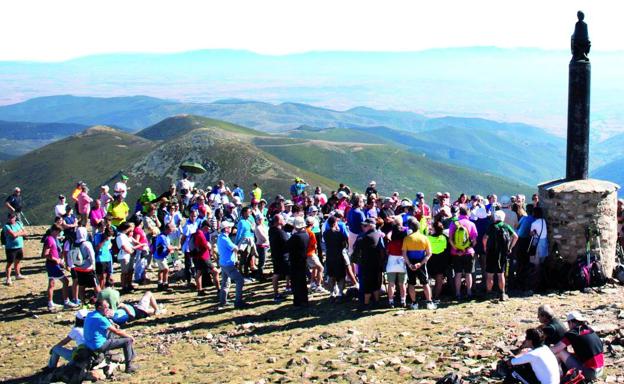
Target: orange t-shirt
311, 244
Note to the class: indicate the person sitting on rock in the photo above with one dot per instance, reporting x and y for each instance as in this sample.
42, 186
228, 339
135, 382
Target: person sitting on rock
538, 365
98, 327
76, 334
587, 355
553, 329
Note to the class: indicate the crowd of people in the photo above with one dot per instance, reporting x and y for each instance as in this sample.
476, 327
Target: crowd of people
342, 245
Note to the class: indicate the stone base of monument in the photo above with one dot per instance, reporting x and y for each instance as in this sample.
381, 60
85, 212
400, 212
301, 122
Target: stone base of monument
571, 207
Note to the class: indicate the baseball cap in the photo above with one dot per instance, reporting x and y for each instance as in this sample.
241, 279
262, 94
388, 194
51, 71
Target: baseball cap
288, 202
406, 203
226, 224
313, 208
342, 194
279, 197
372, 182
505, 201
420, 195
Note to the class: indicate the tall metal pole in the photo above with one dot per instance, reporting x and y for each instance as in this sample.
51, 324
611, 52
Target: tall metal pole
577, 160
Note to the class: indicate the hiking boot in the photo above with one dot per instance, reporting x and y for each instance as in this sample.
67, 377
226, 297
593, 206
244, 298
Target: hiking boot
20, 277
503, 297
131, 368
69, 305
53, 307
413, 306
278, 298
201, 293
431, 305
391, 304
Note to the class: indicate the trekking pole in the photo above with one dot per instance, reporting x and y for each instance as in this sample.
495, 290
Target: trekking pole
23, 217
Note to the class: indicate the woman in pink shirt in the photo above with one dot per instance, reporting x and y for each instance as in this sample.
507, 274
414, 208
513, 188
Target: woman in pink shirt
97, 213
84, 204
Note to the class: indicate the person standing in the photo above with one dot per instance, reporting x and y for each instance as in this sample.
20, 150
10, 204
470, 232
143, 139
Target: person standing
463, 237
84, 203
98, 330
539, 229
191, 226
336, 242
121, 187
297, 247
369, 247
162, 249
416, 252
13, 238
119, 210
202, 258
281, 266
227, 260
14, 202
498, 241
60, 207
54, 267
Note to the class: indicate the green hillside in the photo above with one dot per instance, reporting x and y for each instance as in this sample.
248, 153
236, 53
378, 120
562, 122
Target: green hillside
338, 135
93, 156
179, 125
613, 171
394, 169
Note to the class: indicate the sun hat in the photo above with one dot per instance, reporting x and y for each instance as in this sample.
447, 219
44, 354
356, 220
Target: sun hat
505, 201
372, 182
226, 224
420, 195
288, 202
299, 223
406, 203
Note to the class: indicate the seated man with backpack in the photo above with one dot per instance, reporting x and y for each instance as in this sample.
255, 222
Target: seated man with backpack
587, 349
498, 242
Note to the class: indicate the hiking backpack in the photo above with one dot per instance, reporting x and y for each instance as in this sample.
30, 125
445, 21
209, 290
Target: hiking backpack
461, 237
597, 276
580, 276
501, 243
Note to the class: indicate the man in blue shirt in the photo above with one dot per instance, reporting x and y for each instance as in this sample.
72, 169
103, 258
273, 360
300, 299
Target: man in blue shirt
238, 191
97, 328
227, 260
162, 249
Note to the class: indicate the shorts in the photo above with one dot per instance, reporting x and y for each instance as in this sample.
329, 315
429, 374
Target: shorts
103, 267
396, 264
203, 265
86, 279
463, 263
139, 313
438, 264
162, 264
495, 264
55, 272
392, 277
281, 267
573, 362
313, 261
72, 273
126, 264
14, 255
420, 274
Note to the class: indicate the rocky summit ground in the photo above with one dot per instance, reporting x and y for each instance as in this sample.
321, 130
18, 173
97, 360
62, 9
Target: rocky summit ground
265, 343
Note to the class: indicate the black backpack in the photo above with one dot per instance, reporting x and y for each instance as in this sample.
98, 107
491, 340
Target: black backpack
597, 276
450, 378
500, 244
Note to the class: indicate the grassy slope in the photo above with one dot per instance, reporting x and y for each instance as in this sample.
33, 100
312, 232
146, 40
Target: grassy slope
93, 156
392, 168
182, 124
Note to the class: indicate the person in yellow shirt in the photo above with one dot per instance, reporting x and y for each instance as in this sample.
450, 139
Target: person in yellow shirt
416, 253
256, 193
119, 210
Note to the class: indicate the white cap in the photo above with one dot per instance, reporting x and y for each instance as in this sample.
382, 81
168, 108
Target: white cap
342, 194
499, 216
576, 315
226, 224
81, 314
372, 182
505, 201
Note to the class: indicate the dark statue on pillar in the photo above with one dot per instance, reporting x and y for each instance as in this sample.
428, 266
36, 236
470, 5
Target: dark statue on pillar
577, 161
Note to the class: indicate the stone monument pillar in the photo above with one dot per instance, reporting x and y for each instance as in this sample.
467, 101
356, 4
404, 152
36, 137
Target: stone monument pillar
577, 205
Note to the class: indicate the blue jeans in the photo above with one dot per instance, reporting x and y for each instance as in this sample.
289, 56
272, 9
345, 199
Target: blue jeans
231, 273
58, 352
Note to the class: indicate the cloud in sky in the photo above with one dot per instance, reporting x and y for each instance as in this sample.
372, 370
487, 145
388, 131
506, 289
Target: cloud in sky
62, 29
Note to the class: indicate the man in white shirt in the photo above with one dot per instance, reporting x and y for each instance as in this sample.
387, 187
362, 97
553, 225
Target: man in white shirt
538, 365
121, 187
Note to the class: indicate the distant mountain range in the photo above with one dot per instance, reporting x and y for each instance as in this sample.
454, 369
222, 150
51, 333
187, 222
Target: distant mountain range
234, 153
514, 150
524, 85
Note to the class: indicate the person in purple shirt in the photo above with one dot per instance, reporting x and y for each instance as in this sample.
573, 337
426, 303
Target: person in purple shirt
355, 217
463, 259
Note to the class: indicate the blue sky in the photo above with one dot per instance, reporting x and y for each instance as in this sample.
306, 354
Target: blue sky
44, 30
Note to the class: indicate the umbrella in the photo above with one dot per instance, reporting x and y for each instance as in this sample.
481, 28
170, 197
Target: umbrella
191, 167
